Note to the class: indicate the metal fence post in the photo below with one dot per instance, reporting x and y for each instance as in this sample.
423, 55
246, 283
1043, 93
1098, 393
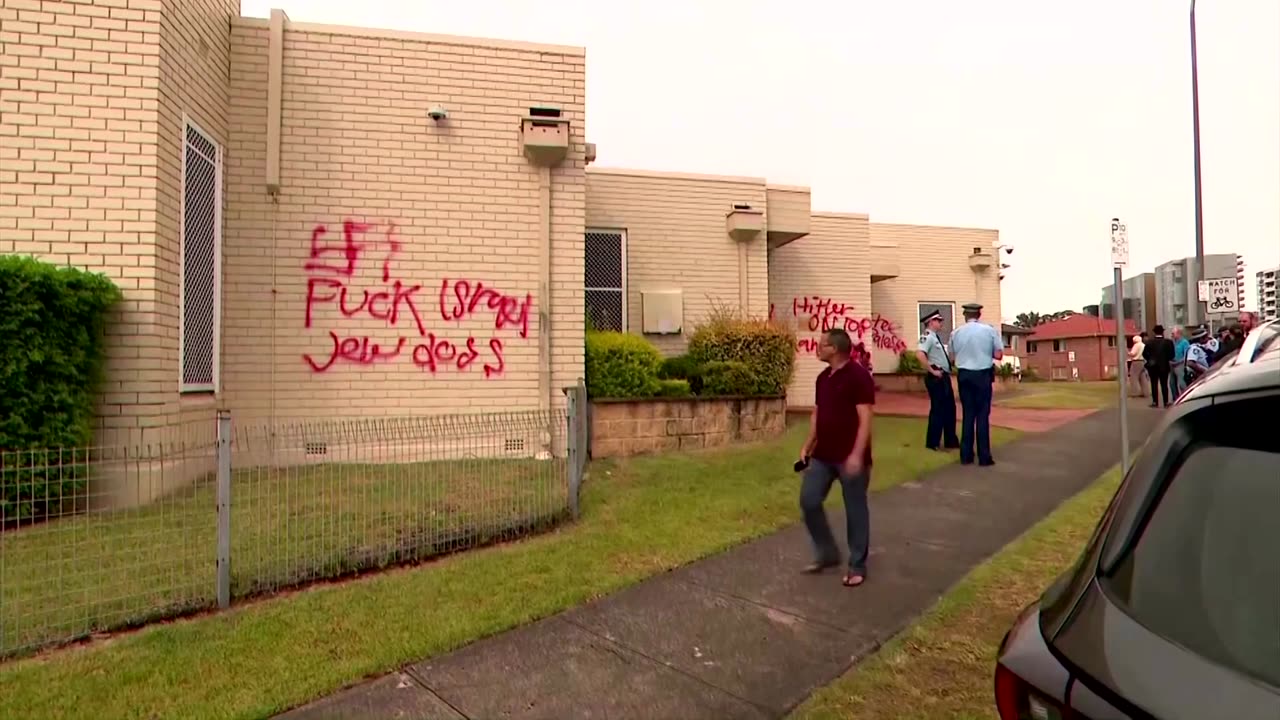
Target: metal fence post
575, 448
224, 509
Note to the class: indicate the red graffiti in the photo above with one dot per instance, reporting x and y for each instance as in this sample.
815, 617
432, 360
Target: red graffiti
433, 353
465, 298
360, 351
331, 269
820, 314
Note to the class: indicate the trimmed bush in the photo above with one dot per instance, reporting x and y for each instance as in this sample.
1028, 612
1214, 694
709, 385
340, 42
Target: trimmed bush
767, 349
909, 363
682, 367
621, 365
729, 377
674, 388
52, 321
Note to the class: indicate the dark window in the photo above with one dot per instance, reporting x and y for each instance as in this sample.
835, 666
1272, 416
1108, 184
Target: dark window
1204, 572
604, 278
1059, 346
1111, 342
1031, 348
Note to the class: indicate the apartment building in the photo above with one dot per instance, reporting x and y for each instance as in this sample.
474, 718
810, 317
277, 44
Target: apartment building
325, 222
1139, 300
1177, 298
1268, 309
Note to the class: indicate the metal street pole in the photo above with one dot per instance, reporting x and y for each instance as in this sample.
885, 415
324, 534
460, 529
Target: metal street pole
1120, 258
1195, 150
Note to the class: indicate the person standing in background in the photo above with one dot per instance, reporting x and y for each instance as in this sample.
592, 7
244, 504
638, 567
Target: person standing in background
976, 347
1178, 370
1134, 370
941, 429
1157, 356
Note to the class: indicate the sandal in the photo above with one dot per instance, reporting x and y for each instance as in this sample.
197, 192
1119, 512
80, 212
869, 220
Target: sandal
851, 580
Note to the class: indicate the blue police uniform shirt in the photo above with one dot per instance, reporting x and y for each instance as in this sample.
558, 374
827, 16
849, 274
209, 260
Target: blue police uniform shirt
931, 346
974, 344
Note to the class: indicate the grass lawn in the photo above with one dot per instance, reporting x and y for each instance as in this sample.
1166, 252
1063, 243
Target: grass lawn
68, 578
1062, 395
640, 517
942, 667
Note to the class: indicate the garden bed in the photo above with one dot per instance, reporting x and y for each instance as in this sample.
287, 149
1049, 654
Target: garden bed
622, 428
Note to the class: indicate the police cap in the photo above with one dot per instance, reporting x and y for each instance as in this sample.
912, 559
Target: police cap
972, 307
935, 315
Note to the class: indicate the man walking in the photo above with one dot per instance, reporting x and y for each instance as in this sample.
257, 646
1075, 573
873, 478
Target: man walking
976, 346
1158, 358
937, 380
839, 447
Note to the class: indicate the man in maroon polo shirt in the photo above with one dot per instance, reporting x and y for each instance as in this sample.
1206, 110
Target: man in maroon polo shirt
839, 446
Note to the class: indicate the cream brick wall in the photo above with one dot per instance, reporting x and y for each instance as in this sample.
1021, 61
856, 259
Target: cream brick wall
79, 99
676, 240
934, 267
195, 43
454, 202
822, 281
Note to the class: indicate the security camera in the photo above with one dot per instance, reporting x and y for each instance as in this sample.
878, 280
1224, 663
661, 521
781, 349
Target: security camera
1002, 276
1005, 266
1008, 249
437, 113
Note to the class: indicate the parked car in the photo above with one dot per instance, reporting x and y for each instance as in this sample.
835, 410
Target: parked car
1173, 609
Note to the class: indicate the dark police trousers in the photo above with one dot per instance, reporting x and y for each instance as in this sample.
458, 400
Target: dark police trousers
975, 407
942, 412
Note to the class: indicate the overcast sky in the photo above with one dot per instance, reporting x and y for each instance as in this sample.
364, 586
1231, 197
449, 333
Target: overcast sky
1041, 119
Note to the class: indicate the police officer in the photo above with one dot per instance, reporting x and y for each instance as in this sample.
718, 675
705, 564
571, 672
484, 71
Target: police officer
942, 399
976, 346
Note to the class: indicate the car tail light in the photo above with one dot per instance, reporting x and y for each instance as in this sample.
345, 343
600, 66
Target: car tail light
1017, 700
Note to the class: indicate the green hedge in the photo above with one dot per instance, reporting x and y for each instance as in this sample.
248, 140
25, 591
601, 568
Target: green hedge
767, 349
682, 367
621, 365
909, 363
729, 377
52, 322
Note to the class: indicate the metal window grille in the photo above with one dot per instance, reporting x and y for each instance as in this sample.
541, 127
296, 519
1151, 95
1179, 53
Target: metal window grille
605, 279
201, 230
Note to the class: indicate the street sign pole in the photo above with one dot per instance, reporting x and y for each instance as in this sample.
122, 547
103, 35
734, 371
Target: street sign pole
1119, 259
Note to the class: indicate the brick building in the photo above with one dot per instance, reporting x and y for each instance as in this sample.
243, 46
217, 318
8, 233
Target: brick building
1079, 347
322, 222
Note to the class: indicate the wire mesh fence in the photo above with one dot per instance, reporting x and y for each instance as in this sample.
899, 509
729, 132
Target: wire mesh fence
99, 539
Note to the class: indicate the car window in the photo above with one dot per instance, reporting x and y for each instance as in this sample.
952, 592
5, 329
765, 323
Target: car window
1205, 571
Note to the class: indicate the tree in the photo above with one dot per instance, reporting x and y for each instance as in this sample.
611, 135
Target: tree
1028, 320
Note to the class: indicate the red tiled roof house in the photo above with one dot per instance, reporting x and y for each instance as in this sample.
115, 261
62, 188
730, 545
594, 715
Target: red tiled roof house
1079, 347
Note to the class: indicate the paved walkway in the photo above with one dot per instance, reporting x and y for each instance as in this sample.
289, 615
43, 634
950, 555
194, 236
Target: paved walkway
743, 634
1023, 419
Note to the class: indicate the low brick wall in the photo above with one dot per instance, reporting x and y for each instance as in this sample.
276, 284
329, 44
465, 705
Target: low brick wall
894, 382
621, 428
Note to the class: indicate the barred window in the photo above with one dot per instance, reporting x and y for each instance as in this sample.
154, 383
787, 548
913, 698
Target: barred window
201, 248
605, 277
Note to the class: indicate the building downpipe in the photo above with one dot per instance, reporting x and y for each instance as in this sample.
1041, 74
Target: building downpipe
544, 140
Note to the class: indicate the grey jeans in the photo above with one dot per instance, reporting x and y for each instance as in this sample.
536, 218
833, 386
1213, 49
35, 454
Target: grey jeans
814, 489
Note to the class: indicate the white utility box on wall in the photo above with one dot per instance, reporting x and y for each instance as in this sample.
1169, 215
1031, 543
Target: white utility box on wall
662, 311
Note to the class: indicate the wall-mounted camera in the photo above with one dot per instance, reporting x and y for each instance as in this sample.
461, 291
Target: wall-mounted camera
1008, 249
438, 113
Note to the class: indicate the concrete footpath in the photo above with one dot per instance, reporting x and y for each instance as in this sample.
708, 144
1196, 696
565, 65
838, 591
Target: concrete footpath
744, 634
